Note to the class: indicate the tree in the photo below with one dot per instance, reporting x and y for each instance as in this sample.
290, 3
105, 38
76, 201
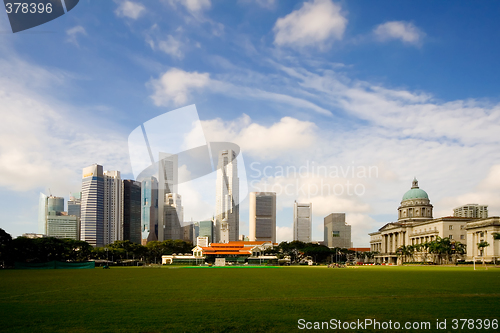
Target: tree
319, 253
481, 246
406, 251
5, 240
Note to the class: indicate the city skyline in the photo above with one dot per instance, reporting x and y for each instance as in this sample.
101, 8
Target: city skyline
133, 205
422, 104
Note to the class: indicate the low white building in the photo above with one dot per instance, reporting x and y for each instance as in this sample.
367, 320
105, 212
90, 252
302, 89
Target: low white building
482, 231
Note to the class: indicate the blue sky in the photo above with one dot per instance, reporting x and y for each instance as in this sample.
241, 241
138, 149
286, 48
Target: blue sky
410, 88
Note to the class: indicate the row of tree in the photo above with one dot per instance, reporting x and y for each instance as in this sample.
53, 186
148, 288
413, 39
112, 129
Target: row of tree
439, 250
46, 249
297, 251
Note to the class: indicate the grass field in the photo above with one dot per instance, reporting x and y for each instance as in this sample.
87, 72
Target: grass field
239, 299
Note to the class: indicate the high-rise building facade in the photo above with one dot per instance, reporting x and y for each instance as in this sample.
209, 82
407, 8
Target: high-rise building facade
471, 210
63, 226
172, 217
113, 207
75, 204
55, 204
48, 206
188, 232
227, 217
132, 211
302, 222
206, 229
42, 213
149, 210
167, 184
92, 206
262, 211
337, 233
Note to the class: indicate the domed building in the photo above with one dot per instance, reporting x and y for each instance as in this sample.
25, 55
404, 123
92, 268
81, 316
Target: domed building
415, 205
415, 225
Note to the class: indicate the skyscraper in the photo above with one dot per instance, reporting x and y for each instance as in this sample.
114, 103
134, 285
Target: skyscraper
55, 204
63, 226
302, 221
75, 204
471, 210
206, 229
149, 210
48, 205
337, 233
167, 184
132, 211
113, 207
42, 213
173, 216
227, 218
262, 209
92, 221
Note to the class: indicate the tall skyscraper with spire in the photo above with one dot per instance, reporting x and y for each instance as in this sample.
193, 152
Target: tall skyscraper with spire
169, 202
149, 210
227, 217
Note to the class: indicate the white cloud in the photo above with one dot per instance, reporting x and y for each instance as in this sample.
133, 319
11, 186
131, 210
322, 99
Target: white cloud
487, 192
316, 23
130, 9
74, 32
174, 86
407, 32
44, 142
265, 142
284, 234
193, 6
171, 46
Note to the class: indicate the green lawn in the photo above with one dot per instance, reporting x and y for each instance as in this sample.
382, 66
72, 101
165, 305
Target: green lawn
239, 299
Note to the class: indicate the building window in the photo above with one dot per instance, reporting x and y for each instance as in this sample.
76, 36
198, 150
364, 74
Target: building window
451, 227
450, 237
462, 237
462, 227
482, 234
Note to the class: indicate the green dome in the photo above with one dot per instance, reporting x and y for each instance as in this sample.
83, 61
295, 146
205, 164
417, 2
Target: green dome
415, 193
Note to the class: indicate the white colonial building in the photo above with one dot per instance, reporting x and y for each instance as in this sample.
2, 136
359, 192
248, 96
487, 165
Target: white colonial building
416, 225
483, 230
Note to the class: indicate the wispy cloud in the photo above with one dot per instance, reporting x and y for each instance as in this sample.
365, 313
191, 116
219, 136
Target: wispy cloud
176, 86
52, 141
315, 24
193, 6
73, 34
406, 32
130, 9
169, 44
